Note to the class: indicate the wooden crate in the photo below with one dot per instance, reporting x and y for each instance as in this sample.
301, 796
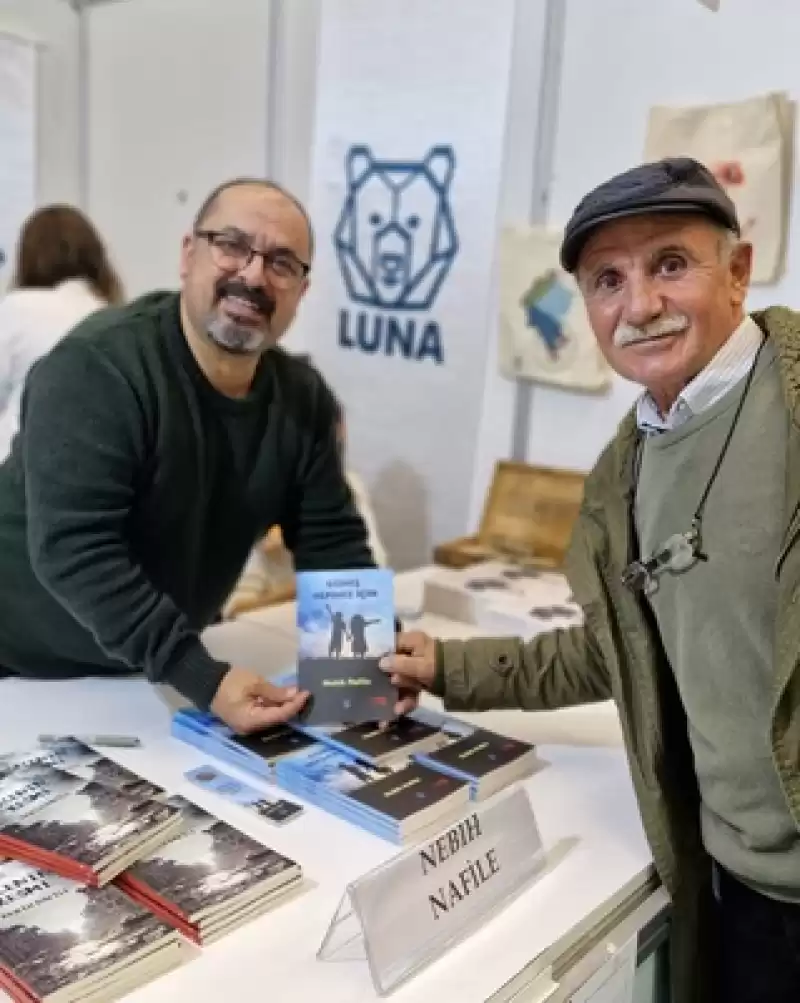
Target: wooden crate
528, 517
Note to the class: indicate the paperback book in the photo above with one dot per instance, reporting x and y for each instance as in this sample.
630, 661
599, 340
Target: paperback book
402, 801
378, 744
255, 753
346, 624
64, 753
78, 828
64, 942
484, 759
210, 878
79, 759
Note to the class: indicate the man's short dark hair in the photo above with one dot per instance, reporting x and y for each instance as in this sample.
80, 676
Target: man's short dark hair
211, 201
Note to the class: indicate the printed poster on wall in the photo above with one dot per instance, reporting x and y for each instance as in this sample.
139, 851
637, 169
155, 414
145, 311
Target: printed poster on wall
749, 147
18, 60
545, 335
408, 150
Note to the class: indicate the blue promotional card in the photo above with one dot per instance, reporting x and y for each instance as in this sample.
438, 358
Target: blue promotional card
275, 810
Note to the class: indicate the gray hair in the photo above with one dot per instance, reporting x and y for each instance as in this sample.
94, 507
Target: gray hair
729, 240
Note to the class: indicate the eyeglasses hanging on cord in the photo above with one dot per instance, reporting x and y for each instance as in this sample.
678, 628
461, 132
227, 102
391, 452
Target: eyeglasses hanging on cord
682, 551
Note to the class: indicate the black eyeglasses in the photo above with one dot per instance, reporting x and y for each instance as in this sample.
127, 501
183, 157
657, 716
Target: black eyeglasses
232, 252
677, 554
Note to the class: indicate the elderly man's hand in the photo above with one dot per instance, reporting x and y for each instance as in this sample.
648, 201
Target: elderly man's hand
411, 667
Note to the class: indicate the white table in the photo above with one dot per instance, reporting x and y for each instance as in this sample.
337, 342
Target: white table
584, 804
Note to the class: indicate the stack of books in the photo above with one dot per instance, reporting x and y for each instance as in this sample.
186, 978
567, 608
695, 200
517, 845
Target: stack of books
61, 941
255, 753
78, 828
211, 878
488, 762
328, 763
402, 801
379, 744
105, 877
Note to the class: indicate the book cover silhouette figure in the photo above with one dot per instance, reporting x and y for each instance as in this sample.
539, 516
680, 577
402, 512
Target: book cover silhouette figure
338, 633
358, 635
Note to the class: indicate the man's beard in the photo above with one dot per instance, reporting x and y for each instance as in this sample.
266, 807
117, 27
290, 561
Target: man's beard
235, 338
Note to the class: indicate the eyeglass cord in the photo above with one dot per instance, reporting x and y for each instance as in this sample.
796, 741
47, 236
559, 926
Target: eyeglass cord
697, 518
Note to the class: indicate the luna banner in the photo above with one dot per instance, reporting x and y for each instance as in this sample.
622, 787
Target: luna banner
412, 102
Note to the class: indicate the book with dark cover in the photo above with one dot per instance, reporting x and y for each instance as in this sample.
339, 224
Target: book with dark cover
272, 744
404, 794
255, 753
379, 745
394, 801
80, 829
63, 941
346, 624
486, 759
210, 871
480, 753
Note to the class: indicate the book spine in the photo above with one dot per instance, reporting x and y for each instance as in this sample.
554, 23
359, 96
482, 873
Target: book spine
48, 860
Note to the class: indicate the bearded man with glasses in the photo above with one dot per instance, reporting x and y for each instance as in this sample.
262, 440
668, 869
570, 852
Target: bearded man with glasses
157, 443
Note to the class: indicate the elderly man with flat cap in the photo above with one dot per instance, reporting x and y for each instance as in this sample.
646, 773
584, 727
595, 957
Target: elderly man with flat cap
686, 562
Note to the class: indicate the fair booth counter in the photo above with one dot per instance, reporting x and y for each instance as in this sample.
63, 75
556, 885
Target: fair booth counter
597, 893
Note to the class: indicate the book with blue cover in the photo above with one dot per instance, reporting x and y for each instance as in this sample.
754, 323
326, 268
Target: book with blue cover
345, 623
256, 753
401, 801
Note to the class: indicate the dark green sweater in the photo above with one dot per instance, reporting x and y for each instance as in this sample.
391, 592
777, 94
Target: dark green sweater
134, 492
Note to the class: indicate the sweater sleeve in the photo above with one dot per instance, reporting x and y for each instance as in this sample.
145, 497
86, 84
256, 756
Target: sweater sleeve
325, 530
83, 445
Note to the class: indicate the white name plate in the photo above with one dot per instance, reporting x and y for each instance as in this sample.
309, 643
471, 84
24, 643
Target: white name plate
429, 897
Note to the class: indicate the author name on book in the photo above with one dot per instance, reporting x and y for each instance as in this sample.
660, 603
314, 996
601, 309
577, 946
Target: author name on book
357, 681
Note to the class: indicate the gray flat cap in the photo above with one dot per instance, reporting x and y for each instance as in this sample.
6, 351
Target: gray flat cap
676, 184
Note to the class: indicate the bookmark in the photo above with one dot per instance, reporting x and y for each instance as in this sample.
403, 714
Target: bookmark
275, 810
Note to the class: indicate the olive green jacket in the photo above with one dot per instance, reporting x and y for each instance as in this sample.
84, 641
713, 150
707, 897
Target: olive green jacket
617, 654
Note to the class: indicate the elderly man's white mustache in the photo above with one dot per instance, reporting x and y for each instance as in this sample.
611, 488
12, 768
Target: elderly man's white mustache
627, 334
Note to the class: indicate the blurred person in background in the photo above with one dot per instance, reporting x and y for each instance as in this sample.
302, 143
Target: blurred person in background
62, 274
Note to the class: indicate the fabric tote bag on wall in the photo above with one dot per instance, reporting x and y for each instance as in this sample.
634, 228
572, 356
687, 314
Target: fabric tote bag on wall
545, 335
748, 145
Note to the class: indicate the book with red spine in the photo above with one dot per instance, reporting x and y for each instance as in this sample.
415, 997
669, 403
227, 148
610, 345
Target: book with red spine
210, 878
78, 828
62, 942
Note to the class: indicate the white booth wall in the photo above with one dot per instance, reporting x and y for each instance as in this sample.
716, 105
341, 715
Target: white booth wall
181, 93
620, 57
54, 25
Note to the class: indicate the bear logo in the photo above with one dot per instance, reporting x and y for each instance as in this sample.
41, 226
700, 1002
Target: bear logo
396, 240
